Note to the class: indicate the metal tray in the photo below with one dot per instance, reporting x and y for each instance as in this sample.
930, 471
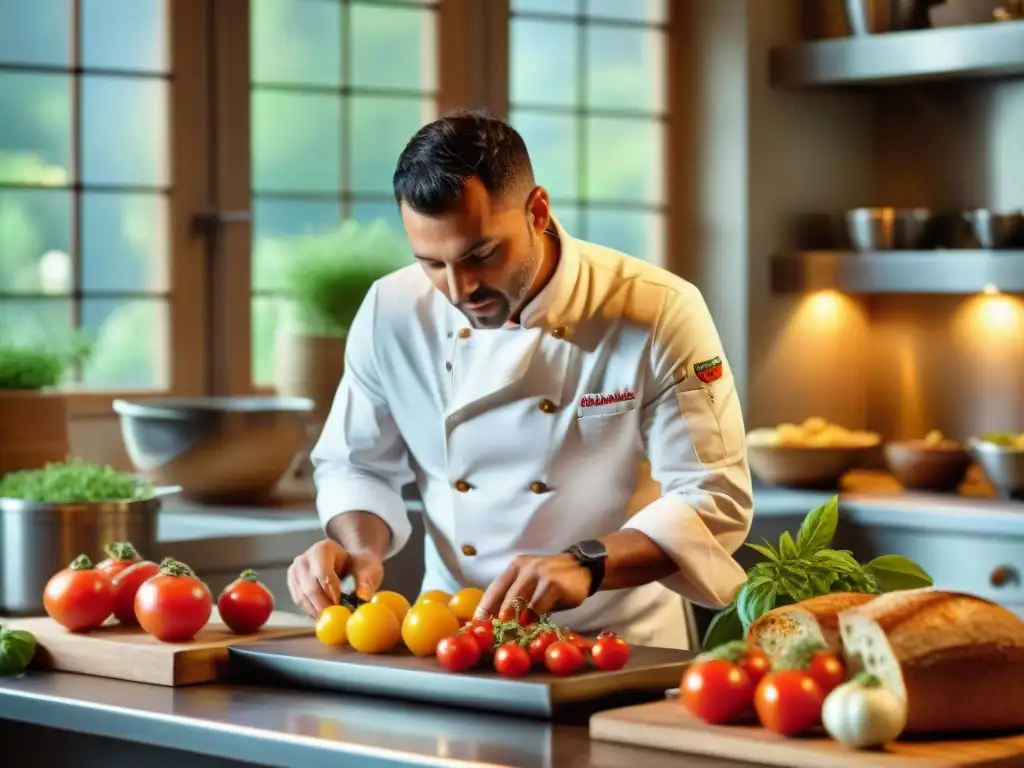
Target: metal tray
305, 662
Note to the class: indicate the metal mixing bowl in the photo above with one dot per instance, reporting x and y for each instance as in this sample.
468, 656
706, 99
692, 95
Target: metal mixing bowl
38, 539
996, 230
1003, 466
218, 449
886, 229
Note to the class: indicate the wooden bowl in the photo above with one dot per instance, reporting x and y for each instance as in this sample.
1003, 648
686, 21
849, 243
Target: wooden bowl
922, 466
804, 466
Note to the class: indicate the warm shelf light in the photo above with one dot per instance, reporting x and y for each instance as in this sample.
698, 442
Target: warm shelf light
990, 290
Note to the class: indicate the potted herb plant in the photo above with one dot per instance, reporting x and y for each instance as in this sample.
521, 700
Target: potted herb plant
33, 412
61, 510
326, 277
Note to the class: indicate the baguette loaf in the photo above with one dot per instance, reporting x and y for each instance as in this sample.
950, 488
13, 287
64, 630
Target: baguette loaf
956, 660
815, 619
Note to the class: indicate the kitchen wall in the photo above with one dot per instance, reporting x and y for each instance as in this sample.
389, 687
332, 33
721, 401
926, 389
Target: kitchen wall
762, 160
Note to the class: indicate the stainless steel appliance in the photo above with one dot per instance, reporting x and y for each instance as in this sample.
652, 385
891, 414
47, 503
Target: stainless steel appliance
38, 539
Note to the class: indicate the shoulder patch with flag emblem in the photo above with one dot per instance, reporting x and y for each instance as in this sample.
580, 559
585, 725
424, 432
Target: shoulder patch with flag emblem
708, 370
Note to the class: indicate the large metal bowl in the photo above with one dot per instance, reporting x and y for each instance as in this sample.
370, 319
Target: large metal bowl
1002, 465
38, 539
889, 229
218, 449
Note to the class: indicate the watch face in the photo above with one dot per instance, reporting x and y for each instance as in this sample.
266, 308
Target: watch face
593, 549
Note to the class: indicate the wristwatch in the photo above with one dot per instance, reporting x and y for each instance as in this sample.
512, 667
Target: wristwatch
591, 554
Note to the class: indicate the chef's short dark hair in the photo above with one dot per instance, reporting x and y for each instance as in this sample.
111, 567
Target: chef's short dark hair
445, 154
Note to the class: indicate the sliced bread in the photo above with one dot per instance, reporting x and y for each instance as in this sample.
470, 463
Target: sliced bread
957, 660
815, 620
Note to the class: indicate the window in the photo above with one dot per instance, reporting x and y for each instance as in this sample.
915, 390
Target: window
85, 184
587, 92
337, 89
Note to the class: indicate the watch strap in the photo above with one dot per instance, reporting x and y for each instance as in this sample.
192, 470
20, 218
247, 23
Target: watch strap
594, 563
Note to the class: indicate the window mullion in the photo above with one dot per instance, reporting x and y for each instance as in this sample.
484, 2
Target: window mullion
188, 25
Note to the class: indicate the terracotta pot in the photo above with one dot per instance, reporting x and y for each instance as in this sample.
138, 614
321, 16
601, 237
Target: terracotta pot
33, 429
309, 366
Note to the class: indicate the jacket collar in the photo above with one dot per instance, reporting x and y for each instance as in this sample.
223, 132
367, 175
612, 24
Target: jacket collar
548, 308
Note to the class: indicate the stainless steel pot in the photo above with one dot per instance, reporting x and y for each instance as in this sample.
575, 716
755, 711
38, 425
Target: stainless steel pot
38, 539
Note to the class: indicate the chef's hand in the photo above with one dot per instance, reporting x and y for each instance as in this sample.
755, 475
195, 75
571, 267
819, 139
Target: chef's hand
314, 577
545, 583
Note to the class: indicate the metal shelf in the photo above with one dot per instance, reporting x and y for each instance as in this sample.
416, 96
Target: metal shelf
900, 272
930, 55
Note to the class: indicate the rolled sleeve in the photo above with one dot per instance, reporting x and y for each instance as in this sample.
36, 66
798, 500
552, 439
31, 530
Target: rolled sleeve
361, 461
695, 441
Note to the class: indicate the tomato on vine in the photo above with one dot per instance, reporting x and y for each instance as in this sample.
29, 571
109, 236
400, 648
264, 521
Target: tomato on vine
512, 660
609, 652
245, 604
79, 598
175, 604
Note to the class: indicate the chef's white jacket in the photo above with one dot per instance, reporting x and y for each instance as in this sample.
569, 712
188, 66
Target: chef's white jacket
611, 406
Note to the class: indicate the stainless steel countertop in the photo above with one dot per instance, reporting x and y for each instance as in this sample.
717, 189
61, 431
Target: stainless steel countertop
296, 729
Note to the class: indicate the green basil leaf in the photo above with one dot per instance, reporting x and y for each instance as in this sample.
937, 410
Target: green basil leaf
766, 550
818, 528
744, 604
724, 628
17, 648
839, 560
763, 601
895, 572
787, 547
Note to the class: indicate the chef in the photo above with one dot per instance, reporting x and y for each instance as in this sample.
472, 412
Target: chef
566, 411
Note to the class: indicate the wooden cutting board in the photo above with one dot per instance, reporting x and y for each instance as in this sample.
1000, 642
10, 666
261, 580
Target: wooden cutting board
128, 653
666, 724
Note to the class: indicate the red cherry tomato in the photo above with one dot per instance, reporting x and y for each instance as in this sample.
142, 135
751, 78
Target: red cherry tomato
459, 653
563, 657
126, 586
511, 660
245, 604
580, 642
539, 645
609, 652
756, 664
827, 670
717, 691
482, 630
79, 598
120, 555
173, 605
789, 702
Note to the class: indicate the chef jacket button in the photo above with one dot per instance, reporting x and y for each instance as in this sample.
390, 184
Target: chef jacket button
450, 334
468, 550
461, 486
538, 487
547, 406
447, 366
558, 332
464, 333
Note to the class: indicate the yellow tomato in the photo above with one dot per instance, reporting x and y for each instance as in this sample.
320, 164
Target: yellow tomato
426, 625
464, 604
373, 628
434, 596
396, 602
331, 626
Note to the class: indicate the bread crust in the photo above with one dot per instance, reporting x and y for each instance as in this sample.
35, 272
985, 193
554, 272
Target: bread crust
961, 657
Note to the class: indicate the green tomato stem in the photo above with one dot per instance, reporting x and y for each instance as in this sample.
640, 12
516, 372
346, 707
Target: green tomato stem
122, 550
249, 575
172, 567
81, 563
